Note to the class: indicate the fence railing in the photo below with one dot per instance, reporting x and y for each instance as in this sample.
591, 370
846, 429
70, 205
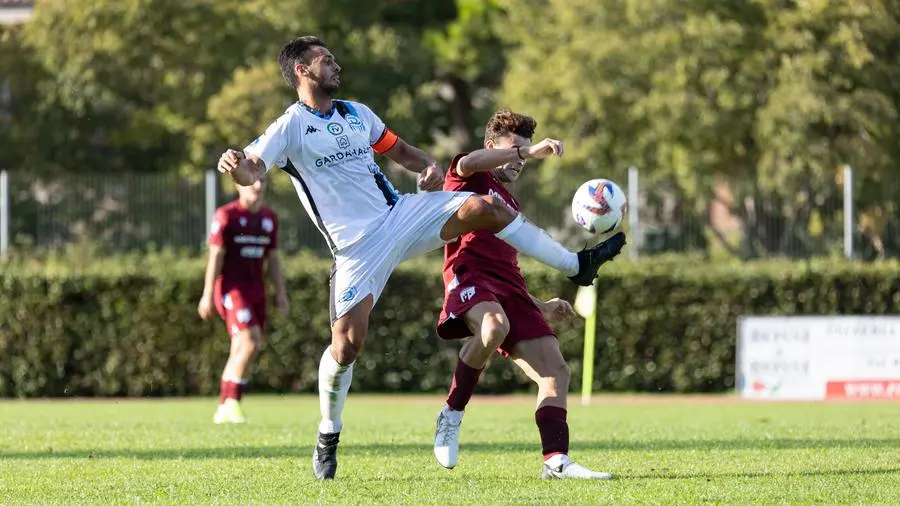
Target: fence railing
129, 212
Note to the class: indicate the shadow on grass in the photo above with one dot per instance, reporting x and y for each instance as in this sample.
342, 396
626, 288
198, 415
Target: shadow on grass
347, 448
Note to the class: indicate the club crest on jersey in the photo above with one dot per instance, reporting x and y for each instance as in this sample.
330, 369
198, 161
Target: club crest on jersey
343, 142
348, 295
267, 224
243, 221
355, 123
335, 129
598, 196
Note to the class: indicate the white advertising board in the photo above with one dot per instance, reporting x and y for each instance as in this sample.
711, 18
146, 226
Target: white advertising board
818, 357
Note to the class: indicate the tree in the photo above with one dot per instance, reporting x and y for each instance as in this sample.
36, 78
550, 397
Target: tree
136, 74
771, 98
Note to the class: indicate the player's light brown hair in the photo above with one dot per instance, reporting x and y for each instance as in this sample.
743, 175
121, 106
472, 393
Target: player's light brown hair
505, 122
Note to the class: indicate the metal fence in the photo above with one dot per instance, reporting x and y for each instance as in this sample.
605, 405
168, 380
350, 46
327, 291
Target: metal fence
128, 212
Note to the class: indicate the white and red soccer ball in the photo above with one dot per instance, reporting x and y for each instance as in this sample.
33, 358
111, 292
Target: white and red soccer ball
599, 206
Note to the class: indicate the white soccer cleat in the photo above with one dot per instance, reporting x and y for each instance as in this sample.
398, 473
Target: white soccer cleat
229, 412
446, 437
561, 467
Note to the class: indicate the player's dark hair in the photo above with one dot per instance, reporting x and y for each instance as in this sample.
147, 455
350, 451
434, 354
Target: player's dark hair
505, 122
294, 52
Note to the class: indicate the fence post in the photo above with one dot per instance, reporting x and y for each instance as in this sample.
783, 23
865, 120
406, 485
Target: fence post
4, 212
848, 212
634, 221
211, 186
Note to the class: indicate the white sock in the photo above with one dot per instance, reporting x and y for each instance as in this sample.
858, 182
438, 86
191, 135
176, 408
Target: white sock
334, 383
534, 242
557, 460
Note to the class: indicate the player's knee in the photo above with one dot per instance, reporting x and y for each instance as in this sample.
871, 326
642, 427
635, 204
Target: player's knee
556, 381
494, 330
251, 346
343, 349
563, 377
487, 211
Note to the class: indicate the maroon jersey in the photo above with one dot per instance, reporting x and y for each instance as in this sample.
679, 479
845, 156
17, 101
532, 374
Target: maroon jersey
247, 238
481, 251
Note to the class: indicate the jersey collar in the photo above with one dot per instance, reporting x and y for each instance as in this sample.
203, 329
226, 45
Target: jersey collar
316, 112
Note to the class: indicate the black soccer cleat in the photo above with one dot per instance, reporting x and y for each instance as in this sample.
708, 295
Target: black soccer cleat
325, 456
590, 260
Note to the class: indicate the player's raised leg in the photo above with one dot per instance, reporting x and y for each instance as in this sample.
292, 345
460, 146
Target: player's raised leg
485, 212
236, 374
489, 326
348, 334
542, 361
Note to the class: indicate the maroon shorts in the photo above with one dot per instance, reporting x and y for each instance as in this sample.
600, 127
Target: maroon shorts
241, 310
525, 320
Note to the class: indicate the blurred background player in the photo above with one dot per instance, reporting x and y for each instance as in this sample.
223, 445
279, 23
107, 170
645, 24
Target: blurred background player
486, 298
243, 237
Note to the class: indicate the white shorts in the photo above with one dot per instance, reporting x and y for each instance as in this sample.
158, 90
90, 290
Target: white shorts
412, 228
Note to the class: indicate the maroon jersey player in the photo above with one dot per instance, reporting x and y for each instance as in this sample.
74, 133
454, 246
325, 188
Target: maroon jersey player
243, 240
487, 301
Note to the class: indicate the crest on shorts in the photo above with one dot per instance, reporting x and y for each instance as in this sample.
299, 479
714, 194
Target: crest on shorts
244, 315
467, 293
227, 302
347, 295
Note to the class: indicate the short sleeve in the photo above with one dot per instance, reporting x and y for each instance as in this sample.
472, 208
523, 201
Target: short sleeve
454, 182
218, 228
273, 145
381, 138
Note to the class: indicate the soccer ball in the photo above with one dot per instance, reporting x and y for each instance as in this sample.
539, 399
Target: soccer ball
599, 206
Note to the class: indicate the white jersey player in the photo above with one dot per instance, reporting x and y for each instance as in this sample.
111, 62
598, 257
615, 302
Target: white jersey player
327, 147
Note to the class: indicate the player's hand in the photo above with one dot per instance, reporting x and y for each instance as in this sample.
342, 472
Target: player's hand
283, 304
207, 307
557, 309
230, 160
545, 148
431, 178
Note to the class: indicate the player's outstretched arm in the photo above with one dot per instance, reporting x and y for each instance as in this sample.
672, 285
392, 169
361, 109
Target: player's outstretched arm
488, 159
213, 268
415, 160
273, 267
243, 169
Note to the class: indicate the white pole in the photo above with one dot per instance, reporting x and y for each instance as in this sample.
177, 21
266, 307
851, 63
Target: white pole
848, 212
211, 182
633, 219
4, 212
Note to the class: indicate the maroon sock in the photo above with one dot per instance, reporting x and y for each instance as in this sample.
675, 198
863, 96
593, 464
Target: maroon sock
554, 429
224, 390
230, 390
463, 385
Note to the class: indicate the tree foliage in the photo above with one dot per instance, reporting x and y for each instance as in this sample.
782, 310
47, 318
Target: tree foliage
754, 107
768, 97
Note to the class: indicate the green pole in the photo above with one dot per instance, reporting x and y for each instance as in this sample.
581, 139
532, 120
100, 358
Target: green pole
590, 338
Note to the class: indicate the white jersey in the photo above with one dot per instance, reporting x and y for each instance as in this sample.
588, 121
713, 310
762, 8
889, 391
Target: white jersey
331, 163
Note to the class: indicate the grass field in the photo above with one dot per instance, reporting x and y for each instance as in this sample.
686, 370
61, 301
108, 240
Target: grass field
670, 450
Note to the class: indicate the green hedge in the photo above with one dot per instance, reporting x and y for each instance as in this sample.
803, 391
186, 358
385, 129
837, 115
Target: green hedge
122, 327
